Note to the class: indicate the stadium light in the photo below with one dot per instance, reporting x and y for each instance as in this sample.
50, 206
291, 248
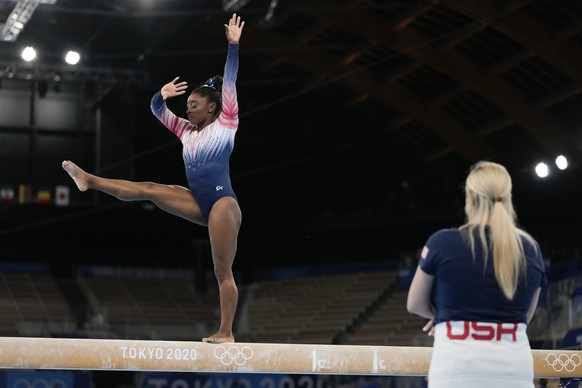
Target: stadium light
562, 162
28, 54
72, 57
542, 170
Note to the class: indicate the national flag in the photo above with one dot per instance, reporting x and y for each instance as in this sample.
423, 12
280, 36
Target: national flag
43, 196
6, 194
62, 196
24, 194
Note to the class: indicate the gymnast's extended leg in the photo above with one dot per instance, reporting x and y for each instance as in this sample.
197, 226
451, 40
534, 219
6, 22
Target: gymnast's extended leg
176, 200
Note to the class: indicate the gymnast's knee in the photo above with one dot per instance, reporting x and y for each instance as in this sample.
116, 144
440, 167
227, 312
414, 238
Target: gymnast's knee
223, 273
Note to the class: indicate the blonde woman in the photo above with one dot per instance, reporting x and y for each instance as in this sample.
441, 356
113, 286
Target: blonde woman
479, 286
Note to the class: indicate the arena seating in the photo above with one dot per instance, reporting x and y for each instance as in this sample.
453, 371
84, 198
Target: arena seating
32, 304
352, 307
314, 309
156, 308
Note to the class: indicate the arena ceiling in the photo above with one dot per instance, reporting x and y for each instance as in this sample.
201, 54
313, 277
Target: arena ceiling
354, 114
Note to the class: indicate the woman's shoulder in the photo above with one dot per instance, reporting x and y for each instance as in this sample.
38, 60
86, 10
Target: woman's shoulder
447, 233
445, 236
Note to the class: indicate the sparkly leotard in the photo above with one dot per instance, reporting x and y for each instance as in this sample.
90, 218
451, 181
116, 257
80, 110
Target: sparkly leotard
207, 152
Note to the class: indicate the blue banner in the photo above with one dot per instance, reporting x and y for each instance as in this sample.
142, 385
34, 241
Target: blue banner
45, 379
232, 380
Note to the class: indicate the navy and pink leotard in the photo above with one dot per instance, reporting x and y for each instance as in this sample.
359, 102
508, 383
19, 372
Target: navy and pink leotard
207, 152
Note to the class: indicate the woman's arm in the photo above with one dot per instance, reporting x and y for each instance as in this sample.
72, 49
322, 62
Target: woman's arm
229, 114
418, 301
158, 106
534, 304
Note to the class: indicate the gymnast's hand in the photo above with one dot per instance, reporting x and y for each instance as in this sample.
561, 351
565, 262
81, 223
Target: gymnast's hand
174, 88
234, 29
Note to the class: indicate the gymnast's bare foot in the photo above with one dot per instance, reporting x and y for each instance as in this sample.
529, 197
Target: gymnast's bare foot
219, 338
78, 175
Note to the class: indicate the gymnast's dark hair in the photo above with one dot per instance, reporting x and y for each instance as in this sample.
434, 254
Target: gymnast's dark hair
212, 91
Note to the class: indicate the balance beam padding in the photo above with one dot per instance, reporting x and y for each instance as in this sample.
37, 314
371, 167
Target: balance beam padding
182, 356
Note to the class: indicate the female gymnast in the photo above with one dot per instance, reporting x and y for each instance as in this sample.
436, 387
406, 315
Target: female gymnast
207, 138
479, 286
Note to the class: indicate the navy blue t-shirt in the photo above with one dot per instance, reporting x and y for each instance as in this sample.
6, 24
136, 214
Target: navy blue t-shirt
466, 290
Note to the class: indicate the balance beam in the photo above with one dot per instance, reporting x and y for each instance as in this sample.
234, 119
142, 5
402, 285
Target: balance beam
182, 356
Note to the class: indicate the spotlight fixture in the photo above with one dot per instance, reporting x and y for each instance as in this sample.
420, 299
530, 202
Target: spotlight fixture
28, 54
542, 170
562, 162
72, 57
56, 78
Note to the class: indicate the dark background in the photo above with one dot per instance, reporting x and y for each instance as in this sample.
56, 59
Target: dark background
358, 123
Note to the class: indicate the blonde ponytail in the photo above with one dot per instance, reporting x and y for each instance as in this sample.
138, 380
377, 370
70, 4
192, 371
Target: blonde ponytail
508, 254
488, 189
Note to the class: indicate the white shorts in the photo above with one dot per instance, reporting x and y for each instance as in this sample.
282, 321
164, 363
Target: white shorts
481, 354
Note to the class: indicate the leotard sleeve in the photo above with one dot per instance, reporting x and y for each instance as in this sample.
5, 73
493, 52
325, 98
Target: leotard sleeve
229, 115
174, 123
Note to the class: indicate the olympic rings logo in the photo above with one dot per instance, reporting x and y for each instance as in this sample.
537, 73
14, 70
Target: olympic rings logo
39, 383
564, 362
232, 354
